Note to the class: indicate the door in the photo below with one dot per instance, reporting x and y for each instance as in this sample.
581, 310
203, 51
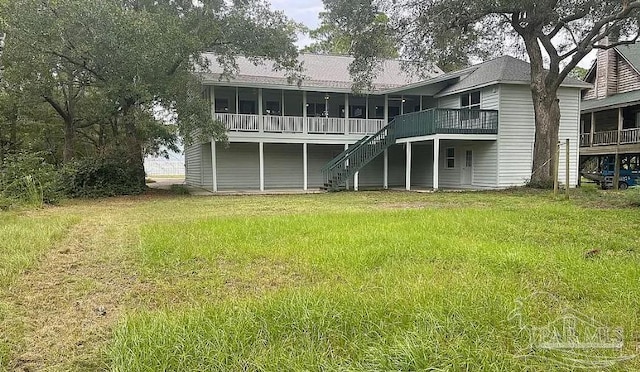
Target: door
467, 168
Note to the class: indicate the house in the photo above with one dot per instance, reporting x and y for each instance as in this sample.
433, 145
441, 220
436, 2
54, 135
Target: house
610, 112
472, 128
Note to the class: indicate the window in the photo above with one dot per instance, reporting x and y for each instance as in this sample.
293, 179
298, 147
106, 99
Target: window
222, 105
470, 101
451, 157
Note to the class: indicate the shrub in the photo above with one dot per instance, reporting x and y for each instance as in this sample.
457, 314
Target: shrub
26, 178
100, 177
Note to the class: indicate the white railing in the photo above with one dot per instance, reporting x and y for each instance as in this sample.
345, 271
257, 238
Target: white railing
296, 124
630, 135
365, 126
605, 138
585, 139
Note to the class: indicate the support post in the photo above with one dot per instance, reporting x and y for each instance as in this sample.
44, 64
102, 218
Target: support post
386, 109
385, 176
356, 181
567, 178
347, 130
407, 180
346, 182
214, 165
260, 112
261, 151
213, 101
305, 167
593, 128
436, 162
616, 172
555, 169
305, 125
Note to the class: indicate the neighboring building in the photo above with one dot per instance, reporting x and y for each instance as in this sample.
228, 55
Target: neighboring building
610, 112
472, 128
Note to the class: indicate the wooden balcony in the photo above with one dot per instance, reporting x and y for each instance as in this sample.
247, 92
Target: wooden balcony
299, 125
611, 137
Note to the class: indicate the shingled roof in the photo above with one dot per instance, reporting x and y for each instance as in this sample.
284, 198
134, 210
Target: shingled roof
504, 69
322, 72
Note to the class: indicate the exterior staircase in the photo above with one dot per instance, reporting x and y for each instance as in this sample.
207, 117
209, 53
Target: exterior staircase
415, 124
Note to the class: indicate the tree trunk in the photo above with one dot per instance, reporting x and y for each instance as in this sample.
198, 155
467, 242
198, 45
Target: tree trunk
69, 151
547, 121
135, 159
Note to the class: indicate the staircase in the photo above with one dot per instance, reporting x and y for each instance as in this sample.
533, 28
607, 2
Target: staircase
422, 123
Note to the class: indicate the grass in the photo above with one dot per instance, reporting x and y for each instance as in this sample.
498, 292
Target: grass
24, 238
349, 281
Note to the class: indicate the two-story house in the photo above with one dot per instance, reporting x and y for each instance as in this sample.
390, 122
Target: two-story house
610, 112
472, 128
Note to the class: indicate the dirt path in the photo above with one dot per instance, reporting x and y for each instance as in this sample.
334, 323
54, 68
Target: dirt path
69, 303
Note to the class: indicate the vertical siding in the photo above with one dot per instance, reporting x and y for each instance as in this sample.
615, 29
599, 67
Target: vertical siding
238, 166
317, 157
283, 168
517, 131
193, 164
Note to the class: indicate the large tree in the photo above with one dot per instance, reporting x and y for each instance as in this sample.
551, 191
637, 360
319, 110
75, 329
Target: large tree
108, 67
555, 35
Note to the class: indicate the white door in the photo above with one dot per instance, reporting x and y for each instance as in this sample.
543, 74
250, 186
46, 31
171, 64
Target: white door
467, 168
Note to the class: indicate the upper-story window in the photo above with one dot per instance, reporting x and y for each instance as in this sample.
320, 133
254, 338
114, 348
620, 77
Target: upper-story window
470, 101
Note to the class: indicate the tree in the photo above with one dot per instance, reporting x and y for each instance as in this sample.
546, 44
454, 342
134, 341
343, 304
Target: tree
330, 40
106, 67
555, 34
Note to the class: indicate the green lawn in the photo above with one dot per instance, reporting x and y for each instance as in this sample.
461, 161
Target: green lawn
350, 281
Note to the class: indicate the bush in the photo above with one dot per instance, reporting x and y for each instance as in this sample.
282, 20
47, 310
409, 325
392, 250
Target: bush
26, 178
100, 177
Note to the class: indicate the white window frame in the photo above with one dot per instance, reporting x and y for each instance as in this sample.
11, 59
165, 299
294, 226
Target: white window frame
452, 157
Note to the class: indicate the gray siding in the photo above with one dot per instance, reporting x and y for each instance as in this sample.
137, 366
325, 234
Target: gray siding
422, 165
489, 99
238, 166
449, 102
450, 177
283, 166
569, 129
207, 168
193, 165
397, 161
372, 175
317, 157
517, 131
485, 164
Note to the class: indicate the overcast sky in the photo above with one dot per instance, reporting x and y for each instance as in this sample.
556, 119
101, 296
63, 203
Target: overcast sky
306, 12
303, 11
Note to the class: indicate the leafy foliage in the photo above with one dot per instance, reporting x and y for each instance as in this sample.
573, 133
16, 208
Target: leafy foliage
27, 178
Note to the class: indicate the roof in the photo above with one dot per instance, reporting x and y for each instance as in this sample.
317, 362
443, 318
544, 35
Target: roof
616, 100
503, 69
631, 53
321, 71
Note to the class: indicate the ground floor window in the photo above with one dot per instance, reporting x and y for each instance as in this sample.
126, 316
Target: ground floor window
450, 157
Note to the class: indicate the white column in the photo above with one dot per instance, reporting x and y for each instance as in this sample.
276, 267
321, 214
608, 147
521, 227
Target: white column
213, 102
346, 184
282, 111
408, 168
436, 162
385, 176
355, 181
401, 105
261, 150
305, 125
214, 165
237, 101
305, 167
346, 113
386, 109
260, 111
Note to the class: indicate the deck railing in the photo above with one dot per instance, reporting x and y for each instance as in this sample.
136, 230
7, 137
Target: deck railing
611, 137
297, 124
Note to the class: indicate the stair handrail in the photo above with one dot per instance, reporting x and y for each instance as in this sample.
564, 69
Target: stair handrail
336, 159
